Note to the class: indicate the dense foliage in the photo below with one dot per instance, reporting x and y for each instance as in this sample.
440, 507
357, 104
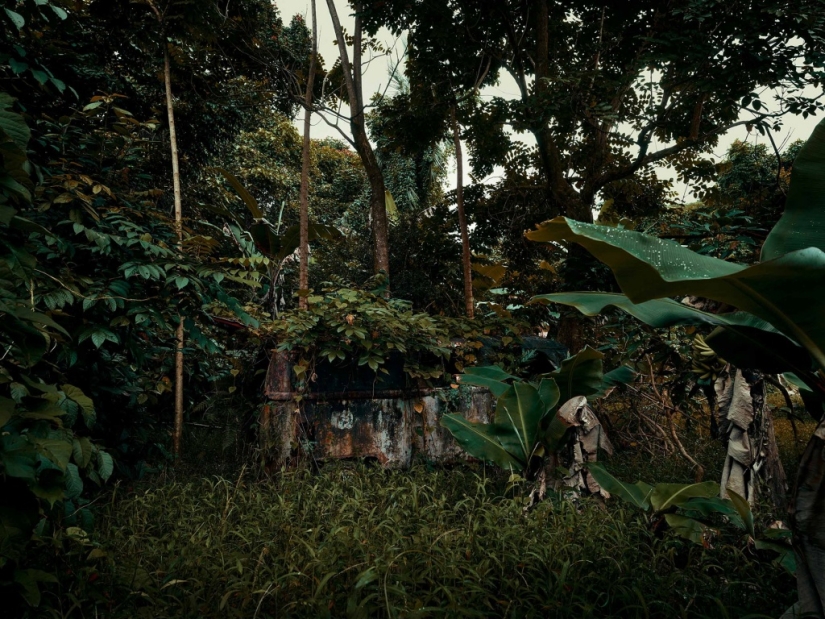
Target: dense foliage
96, 275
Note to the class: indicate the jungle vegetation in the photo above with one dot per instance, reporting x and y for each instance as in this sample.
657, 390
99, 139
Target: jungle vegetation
167, 221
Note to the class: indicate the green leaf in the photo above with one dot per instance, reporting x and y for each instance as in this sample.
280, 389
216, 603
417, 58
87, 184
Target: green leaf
251, 203
713, 505
81, 451
12, 123
688, 528
637, 494
519, 412
743, 509
549, 393
16, 18
7, 406
480, 441
82, 400
58, 11
58, 451
787, 292
490, 377
786, 558
6, 214
802, 225
105, 465
579, 375
743, 339
622, 375
74, 485
665, 496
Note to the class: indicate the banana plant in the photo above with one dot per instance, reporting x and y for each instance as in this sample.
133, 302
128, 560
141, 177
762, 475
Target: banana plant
778, 324
526, 423
688, 508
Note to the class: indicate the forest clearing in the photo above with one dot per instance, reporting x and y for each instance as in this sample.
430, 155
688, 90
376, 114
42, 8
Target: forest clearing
446, 308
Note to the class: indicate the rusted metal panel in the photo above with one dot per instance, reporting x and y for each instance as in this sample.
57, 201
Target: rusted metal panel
389, 425
379, 429
391, 430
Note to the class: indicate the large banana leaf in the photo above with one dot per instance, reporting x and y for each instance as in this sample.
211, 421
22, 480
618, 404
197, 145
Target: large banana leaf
622, 375
549, 394
741, 338
490, 377
637, 494
688, 528
479, 440
519, 412
579, 375
665, 496
802, 225
788, 292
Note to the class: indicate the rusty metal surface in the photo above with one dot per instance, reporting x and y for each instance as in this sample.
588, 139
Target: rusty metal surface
390, 430
385, 394
390, 425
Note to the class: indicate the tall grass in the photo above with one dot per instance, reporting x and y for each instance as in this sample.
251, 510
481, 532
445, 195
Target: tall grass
358, 541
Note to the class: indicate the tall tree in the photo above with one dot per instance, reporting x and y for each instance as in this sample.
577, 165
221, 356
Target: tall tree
611, 90
180, 336
353, 82
303, 277
466, 256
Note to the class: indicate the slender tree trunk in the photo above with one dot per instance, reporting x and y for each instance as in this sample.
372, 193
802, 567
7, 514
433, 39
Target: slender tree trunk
179, 336
303, 270
466, 256
353, 82
807, 516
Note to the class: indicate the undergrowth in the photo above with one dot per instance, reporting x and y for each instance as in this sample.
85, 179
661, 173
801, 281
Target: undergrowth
359, 541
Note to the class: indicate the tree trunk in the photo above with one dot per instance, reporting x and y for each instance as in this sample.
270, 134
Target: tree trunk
807, 516
745, 423
466, 256
179, 336
303, 268
353, 82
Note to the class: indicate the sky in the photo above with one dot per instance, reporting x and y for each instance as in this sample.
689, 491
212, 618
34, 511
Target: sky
377, 76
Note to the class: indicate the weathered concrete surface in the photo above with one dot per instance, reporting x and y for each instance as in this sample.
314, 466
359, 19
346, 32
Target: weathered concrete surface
389, 429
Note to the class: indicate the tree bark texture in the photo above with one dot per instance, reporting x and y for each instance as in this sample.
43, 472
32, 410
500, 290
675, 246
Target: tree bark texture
466, 256
807, 516
353, 82
303, 268
179, 336
745, 423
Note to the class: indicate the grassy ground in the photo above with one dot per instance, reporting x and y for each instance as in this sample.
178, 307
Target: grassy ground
357, 541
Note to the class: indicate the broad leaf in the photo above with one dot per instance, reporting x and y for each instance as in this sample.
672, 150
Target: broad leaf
713, 505
802, 225
251, 203
490, 377
741, 338
579, 375
549, 393
622, 375
665, 496
519, 412
12, 124
744, 511
637, 494
788, 292
479, 440
689, 528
